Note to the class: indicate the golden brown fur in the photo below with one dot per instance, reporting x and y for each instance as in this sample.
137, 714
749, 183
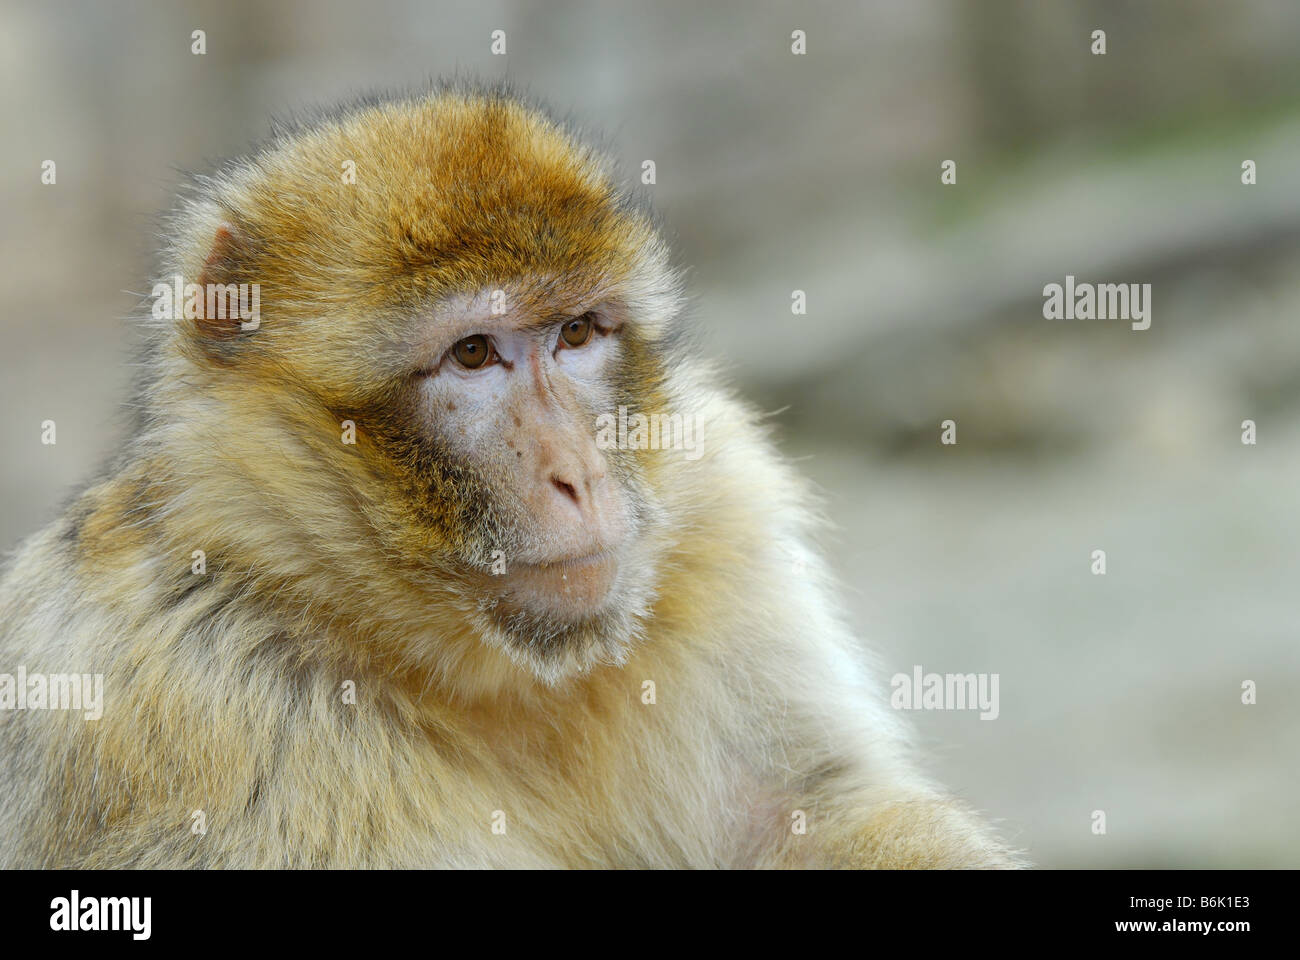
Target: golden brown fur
223, 690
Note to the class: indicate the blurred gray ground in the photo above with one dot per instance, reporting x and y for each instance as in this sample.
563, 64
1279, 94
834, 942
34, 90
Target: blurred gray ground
821, 173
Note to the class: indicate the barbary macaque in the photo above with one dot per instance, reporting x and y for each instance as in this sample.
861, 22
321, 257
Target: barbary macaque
365, 591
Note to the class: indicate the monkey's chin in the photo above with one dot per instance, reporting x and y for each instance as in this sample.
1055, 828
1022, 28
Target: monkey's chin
560, 620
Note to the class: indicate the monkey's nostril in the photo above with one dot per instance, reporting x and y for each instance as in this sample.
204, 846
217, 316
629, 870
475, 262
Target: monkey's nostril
566, 488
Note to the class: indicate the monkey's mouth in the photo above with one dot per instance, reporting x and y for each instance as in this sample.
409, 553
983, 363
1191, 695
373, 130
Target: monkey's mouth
571, 563
571, 588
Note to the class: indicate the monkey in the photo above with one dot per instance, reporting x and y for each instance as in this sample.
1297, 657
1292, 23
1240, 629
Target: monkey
365, 590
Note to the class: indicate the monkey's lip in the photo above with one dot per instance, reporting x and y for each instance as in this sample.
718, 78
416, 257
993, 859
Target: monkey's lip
568, 586
568, 563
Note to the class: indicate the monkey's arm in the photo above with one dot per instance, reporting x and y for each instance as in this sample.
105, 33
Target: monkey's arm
923, 832
883, 829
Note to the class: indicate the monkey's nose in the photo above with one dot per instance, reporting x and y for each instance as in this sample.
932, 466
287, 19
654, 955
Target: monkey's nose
566, 488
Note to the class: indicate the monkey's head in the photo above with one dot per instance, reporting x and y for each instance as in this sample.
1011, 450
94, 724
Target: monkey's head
452, 292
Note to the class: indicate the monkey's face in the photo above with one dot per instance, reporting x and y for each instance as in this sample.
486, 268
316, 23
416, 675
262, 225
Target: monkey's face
503, 440
486, 455
494, 455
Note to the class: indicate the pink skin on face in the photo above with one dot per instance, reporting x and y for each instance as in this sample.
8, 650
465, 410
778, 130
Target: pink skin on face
524, 414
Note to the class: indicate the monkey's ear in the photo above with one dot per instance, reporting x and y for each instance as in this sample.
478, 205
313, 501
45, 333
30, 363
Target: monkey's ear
218, 315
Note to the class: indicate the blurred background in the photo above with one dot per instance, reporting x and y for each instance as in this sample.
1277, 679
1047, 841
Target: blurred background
822, 173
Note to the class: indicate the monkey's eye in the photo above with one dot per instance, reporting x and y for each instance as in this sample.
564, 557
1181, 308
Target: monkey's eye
577, 331
473, 352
